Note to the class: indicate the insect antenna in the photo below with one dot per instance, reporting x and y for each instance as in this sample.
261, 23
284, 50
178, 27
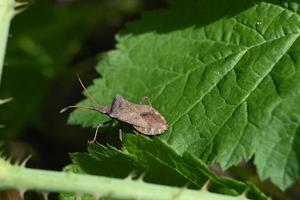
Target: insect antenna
98, 107
88, 93
79, 107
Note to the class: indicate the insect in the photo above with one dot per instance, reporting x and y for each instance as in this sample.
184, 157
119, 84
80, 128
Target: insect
144, 118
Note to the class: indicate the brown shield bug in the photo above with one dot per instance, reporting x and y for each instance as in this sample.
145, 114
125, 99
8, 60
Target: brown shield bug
144, 118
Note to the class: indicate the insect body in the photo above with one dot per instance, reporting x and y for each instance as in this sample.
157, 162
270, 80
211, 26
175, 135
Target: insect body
144, 118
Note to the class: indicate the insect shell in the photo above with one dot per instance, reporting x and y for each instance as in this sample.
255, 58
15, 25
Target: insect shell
144, 118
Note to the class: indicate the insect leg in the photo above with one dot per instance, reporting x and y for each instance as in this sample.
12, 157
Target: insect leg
96, 133
120, 135
97, 129
135, 132
143, 101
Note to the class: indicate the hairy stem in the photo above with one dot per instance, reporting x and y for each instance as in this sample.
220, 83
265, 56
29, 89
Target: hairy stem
6, 14
21, 178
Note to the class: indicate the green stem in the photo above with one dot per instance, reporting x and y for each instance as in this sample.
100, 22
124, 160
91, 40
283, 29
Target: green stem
21, 178
6, 14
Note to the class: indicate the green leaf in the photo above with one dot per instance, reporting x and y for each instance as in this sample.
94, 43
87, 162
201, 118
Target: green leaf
158, 163
228, 83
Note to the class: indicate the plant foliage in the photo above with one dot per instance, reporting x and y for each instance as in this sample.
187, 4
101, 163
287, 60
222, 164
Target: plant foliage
225, 77
156, 162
